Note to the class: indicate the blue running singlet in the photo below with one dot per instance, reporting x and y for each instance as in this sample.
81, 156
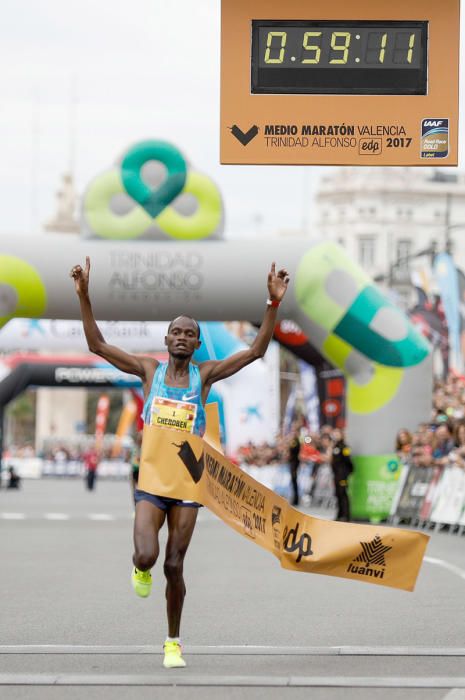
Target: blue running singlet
176, 408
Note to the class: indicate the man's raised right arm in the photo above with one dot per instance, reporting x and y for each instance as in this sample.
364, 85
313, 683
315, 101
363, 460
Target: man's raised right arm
142, 367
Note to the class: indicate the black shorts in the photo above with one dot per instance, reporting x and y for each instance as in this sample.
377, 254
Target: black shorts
163, 502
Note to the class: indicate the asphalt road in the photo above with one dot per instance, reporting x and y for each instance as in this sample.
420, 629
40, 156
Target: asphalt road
70, 625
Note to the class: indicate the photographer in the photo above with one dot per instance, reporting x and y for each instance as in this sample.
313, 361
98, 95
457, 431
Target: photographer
342, 466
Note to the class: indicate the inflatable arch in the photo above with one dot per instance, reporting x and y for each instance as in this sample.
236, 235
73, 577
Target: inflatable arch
387, 362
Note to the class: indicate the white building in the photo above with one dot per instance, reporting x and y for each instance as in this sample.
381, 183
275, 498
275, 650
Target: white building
382, 216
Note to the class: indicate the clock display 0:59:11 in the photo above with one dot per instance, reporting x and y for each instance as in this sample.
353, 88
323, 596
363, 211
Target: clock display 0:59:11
343, 57
330, 46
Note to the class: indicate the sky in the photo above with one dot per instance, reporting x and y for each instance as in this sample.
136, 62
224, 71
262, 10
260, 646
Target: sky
113, 73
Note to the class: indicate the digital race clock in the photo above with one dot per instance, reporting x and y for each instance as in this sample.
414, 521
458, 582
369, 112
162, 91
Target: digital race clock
340, 82
342, 58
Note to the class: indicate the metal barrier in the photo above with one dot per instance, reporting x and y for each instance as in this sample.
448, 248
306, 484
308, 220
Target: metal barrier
431, 497
36, 468
315, 481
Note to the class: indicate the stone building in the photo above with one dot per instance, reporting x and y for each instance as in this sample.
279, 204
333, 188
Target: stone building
387, 218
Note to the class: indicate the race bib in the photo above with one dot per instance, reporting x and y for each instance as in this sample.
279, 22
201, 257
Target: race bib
177, 415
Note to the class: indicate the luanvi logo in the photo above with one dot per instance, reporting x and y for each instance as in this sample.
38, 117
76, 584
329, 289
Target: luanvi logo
372, 557
291, 544
193, 465
245, 137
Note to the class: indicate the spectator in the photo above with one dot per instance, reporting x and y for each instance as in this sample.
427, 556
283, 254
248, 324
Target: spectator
420, 456
457, 456
403, 443
14, 480
443, 444
294, 462
91, 461
341, 464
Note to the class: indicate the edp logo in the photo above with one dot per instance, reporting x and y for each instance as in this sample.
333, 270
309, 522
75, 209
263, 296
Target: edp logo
370, 147
303, 545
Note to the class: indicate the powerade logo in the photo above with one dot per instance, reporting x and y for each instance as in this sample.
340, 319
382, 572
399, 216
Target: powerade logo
154, 193
435, 138
94, 375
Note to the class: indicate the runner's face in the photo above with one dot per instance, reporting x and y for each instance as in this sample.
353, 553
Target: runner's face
182, 340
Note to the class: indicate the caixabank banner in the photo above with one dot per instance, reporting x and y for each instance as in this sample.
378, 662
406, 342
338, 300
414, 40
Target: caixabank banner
179, 465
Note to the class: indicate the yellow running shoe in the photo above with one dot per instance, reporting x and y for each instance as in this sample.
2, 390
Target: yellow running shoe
173, 655
141, 582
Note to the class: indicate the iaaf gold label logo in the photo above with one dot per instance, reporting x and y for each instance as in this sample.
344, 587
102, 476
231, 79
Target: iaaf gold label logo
372, 557
435, 138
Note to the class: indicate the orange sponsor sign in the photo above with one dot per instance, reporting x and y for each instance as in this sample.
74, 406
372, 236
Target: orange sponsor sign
340, 83
189, 467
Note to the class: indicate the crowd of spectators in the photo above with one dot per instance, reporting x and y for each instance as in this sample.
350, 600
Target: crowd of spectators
313, 447
25, 451
69, 451
442, 440
299, 446
261, 455
438, 442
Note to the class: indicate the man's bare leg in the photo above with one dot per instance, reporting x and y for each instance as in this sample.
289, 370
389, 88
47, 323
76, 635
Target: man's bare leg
147, 524
181, 523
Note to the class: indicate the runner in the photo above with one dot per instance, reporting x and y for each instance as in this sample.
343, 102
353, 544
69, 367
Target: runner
175, 393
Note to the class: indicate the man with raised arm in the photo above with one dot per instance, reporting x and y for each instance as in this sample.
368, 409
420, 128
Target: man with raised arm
175, 393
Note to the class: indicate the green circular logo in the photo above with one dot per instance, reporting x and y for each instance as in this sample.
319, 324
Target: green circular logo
153, 211
22, 292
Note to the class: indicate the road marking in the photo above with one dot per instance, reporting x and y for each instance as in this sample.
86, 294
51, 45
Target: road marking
181, 678
445, 565
233, 650
455, 694
96, 517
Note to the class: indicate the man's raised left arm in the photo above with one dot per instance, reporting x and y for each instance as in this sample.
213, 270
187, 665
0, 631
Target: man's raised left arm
214, 370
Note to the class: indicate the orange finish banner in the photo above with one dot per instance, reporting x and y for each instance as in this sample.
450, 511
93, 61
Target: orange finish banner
180, 465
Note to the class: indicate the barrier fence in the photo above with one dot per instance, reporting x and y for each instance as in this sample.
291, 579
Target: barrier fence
431, 497
428, 497
36, 468
315, 481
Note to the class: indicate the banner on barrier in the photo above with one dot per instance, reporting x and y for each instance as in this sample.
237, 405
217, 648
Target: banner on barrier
414, 492
180, 465
430, 498
450, 498
405, 468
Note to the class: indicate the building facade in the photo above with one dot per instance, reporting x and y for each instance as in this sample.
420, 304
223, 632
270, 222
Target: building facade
387, 218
